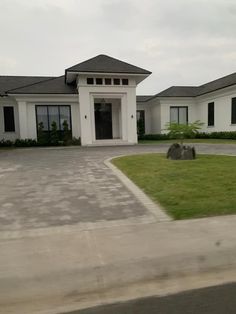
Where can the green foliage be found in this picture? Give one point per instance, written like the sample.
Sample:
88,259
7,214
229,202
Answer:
6,143
183,131
25,143
43,138
154,137
181,189
231,135
54,136
66,136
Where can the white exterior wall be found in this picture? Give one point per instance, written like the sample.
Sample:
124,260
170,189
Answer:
27,113
127,97
147,112
156,117
9,101
223,101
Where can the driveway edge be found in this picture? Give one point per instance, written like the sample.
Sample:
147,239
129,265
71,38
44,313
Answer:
153,208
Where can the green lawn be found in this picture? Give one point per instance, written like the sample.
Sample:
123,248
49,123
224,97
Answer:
197,140
186,189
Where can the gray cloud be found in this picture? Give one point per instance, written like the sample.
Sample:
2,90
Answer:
182,42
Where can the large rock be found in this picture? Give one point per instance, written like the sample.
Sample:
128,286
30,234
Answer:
181,152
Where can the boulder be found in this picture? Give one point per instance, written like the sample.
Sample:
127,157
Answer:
181,152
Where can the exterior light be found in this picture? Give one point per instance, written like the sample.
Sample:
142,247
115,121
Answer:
85,117
132,116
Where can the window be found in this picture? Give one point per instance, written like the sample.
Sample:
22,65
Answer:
233,111
140,114
179,115
125,82
99,81
9,121
211,114
90,81
46,115
107,81
116,81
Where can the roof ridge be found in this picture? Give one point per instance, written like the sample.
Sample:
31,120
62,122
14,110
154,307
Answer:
28,85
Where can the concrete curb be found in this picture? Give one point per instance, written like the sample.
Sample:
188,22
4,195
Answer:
154,208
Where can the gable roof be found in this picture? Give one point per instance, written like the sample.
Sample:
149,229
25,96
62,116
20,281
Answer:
9,82
54,85
106,64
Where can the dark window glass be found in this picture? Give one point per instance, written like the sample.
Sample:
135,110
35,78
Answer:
116,81
90,81
99,81
42,116
9,121
140,115
107,81
49,114
53,116
211,114
125,82
64,116
233,114
179,115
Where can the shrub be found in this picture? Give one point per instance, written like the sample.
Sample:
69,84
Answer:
154,137
6,143
25,143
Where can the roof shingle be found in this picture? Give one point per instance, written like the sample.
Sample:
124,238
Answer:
107,64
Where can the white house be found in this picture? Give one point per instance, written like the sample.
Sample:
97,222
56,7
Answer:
98,100
213,103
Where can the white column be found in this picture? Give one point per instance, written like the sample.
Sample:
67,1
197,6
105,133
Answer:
23,123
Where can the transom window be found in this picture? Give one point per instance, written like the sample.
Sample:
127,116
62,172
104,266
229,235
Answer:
90,81
46,115
107,81
99,81
179,114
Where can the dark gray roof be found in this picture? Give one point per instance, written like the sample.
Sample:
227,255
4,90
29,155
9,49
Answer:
179,91
55,85
9,82
193,91
220,83
142,98
106,64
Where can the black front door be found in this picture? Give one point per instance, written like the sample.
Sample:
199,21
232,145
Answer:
103,121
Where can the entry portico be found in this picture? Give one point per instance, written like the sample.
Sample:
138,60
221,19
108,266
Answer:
107,99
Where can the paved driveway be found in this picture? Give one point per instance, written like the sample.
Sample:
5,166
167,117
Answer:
69,186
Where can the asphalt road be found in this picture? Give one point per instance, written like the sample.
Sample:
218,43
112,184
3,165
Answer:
212,300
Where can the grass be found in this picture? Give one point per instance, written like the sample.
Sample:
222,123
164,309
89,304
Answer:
197,140
186,189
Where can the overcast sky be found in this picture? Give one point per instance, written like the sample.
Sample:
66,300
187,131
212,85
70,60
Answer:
183,42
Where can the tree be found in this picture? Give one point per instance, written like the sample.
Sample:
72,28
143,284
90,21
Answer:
183,131
66,132
42,135
54,136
